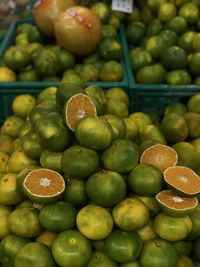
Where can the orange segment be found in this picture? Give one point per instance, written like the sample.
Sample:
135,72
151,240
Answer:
77,107
159,155
43,185
174,204
182,179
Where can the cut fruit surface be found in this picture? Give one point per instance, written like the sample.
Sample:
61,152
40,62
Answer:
43,185
159,155
77,107
175,205
182,179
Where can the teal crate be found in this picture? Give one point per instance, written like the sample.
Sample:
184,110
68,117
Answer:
8,41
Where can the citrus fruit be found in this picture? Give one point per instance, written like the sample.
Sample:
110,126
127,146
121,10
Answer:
184,260
193,103
4,227
131,129
94,133
158,252
117,94
193,120
94,222
110,49
154,27
145,179
154,73
196,142
9,246
108,31
24,222
7,75
5,143
190,12
154,45
4,157
67,89
175,205
57,216
147,232
177,24
43,185
18,161
172,228
140,59
79,162
118,108
12,125
175,107
174,127
101,259
8,190
46,238
196,248
71,248
174,57
52,132
140,118
159,155
185,41
194,216
134,33
31,145
111,71
67,59
134,263
166,12
194,64
151,203
22,104
183,247
76,37
34,254
102,10
106,188
130,214
98,97
177,77
88,73
183,180
51,160
16,58
121,156
75,192
123,246
118,125
151,132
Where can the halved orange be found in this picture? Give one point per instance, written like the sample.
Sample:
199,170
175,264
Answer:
44,185
173,204
78,107
159,155
183,180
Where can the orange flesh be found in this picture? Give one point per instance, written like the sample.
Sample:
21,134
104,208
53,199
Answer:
183,178
44,182
79,106
172,200
159,155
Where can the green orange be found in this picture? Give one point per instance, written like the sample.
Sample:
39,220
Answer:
123,246
106,188
94,222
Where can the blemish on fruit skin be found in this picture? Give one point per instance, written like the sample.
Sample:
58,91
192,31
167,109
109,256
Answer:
78,17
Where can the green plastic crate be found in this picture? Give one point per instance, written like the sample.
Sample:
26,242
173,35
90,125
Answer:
8,41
